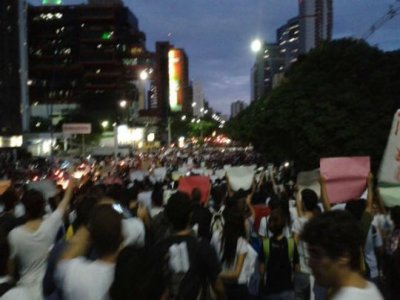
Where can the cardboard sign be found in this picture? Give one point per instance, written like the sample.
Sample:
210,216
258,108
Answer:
390,195
46,187
187,184
390,165
346,177
241,177
309,180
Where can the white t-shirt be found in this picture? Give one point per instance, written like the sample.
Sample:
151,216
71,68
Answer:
133,232
241,248
262,230
17,293
80,278
352,293
297,227
32,248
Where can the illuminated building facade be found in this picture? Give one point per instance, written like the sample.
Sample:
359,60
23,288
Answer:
90,55
270,62
288,38
171,90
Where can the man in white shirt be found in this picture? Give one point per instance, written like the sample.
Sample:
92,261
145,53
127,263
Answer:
80,278
334,243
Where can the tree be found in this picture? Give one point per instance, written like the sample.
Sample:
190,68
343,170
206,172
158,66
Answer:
337,101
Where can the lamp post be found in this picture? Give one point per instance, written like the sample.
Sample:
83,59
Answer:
123,105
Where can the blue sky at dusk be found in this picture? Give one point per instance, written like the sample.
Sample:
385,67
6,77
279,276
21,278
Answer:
216,34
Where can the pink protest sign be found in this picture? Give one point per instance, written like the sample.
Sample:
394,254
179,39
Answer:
346,177
187,184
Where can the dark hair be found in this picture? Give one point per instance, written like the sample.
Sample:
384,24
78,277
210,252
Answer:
233,229
133,277
83,209
178,210
356,207
157,195
34,203
310,199
337,233
9,199
276,221
4,252
395,215
105,229
196,195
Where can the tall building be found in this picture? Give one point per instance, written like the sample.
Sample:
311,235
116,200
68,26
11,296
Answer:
288,40
86,55
198,103
237,107
270,62
316,21
171,90
13,59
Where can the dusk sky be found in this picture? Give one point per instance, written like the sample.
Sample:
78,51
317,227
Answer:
216,34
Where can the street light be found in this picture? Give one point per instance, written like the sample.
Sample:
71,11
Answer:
104,124
123,103
144,75
256,45
183,118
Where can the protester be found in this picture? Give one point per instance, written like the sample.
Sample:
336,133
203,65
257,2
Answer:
81,278
334,244
279,260
191,264
30,243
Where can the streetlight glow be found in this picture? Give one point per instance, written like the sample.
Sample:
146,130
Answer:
144,75
256,45
104,124
123,103
193,104
183,118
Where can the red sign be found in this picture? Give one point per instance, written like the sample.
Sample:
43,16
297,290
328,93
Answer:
187,184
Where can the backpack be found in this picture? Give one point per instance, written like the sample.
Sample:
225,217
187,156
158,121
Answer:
179,272
217,220
267,249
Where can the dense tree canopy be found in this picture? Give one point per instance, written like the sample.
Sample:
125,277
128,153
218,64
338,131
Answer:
337,101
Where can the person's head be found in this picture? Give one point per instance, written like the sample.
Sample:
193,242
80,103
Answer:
4,252
276,221
309,200
178,210
196,196
334,243
34,204
356,207
395,215
233,229
9,199
157,195
105,229
83,208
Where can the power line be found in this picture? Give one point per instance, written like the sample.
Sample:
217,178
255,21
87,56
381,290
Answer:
393,11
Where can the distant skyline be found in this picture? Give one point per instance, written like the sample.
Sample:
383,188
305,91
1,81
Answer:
216,35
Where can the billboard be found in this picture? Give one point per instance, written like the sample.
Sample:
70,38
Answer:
77,128
175,75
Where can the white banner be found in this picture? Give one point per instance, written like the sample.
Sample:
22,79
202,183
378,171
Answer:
309,180
390,165
241,177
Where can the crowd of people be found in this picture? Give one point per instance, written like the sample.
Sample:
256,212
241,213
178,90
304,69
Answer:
111,235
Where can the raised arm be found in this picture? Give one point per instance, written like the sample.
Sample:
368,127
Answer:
63,205
78,245
370,197
324,194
